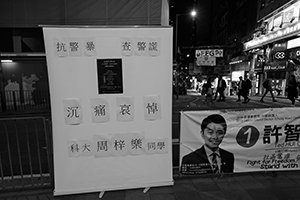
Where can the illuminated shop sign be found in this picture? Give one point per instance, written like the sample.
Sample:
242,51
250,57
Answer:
260,59
275,66
279,56
294,53
293,43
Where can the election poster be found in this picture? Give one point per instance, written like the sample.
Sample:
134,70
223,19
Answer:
234,141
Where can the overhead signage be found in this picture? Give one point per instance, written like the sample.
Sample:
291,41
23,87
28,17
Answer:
289,15
271,36
281,25
277,20
209,53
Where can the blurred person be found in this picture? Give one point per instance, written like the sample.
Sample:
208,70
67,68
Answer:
247,85
221,86
207,87
292,89
268,88
239,88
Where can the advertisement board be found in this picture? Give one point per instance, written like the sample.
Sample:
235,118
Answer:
239,141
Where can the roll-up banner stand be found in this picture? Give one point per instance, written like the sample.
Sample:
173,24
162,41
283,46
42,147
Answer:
111,104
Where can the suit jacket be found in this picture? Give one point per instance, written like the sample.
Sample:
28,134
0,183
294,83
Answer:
198,161
223,85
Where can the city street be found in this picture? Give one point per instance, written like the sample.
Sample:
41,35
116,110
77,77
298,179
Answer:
263,185
193,101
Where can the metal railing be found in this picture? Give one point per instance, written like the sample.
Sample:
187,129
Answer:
26,100
25,153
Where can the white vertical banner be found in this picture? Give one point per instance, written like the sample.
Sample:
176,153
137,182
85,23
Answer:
102,81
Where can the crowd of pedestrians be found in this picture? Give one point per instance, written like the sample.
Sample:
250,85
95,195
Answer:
244,86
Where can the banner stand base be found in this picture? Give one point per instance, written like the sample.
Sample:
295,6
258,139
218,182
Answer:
101,194
146,189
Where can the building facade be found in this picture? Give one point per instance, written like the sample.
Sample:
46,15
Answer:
274,46
233,21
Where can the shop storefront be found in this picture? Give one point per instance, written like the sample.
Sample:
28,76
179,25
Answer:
272,51
239,66
278,70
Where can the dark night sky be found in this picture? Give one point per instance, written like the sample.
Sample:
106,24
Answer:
185,22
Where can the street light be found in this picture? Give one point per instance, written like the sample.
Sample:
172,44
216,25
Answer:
193,13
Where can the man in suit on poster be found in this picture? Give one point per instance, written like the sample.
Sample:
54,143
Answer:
209,158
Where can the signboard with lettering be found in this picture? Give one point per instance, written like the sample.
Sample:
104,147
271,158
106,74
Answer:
275,66
111,113
209,53
206,61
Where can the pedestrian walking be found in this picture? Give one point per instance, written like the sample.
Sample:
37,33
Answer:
268,88
292,89
240,88
208,92
246,85
220,89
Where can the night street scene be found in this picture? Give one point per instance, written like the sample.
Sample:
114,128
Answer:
150,100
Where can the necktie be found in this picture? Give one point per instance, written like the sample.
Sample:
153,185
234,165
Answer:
215,167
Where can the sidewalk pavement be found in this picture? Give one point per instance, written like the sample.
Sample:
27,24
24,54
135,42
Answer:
192,94
239,186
